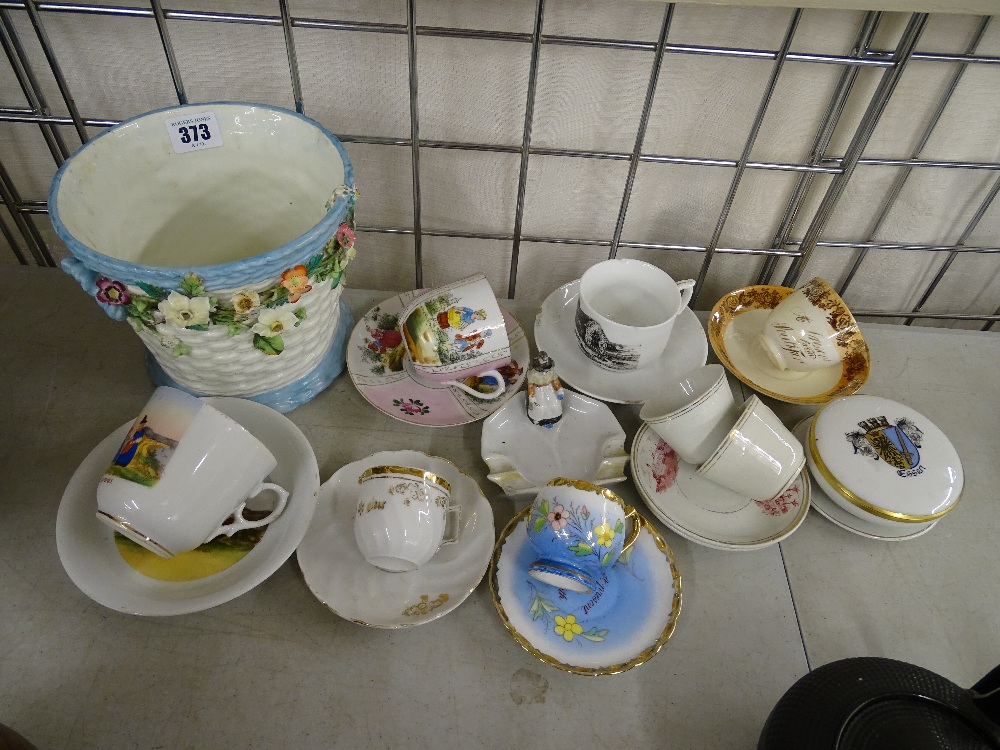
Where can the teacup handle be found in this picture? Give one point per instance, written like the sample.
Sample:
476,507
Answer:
241,523
452,524
483,396
686,288
632,513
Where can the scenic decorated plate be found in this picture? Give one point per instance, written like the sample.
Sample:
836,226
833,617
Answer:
624,623
733,328
340,577
123,576
832,512
555,333
677,496
386,379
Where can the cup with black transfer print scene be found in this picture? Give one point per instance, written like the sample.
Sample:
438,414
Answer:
626,311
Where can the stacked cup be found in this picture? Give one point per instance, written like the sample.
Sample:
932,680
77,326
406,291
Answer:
744,448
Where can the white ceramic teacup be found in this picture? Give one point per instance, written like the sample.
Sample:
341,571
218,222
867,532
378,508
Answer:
184,475
403,517
810,329
626,311
693,414
759,457
457,331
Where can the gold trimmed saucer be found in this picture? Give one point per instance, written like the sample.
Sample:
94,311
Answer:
733,329
624,623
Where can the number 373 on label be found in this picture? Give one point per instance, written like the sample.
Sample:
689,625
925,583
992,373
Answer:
194,132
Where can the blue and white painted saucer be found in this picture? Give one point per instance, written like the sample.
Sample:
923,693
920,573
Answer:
621,625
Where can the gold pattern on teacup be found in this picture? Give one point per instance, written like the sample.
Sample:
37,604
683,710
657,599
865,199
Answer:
370,506
406,471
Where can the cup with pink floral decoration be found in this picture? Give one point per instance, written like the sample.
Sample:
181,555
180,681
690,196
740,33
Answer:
579,531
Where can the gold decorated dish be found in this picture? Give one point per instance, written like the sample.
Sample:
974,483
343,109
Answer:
734,327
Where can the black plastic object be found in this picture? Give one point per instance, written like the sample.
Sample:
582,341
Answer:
872,703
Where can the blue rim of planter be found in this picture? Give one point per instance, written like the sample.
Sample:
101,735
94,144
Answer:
265,265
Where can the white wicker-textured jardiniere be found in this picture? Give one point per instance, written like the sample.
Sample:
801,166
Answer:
221,232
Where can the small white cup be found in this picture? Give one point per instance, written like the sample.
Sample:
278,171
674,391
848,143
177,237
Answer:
457,331
402,516
693,414
183,476
759,457
810,329
626,311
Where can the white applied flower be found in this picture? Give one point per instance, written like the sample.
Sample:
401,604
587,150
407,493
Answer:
245,302
185,311
274,321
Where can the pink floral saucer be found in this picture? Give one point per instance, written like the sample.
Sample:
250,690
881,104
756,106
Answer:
381,372
672,489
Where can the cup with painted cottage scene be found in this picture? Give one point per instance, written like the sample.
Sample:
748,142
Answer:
578,530
404,515
455,332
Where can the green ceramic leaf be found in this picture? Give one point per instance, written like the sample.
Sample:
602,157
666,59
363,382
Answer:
153,291
192,286
581,549
543,507
313,263
300,313
202,327
538,525
268,344
619,527
606,560
594,634
180,350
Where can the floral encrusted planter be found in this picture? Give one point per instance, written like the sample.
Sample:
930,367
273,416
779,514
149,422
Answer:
266,323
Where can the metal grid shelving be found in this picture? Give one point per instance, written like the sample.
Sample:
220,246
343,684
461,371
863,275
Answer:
28,246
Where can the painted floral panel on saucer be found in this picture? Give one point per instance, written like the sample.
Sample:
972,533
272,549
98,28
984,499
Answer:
623,623
377,363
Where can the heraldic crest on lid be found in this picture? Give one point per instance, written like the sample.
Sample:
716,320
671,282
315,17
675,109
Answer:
897,444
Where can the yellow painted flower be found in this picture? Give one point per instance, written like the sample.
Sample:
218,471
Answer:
568,627
605,535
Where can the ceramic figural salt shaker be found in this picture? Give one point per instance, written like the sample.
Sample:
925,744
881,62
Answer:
545,392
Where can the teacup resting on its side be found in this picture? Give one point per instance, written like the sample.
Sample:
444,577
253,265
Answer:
810,329
579,530
184,475
455,332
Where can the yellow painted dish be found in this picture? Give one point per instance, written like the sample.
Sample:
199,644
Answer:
733,328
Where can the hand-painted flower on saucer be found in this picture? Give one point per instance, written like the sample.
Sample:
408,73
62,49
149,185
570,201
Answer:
567,627
185,311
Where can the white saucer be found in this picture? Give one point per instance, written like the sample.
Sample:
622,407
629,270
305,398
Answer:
87,547
733,328
827,508
623,624
378,369
555,333
587,443
340,577
672,490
